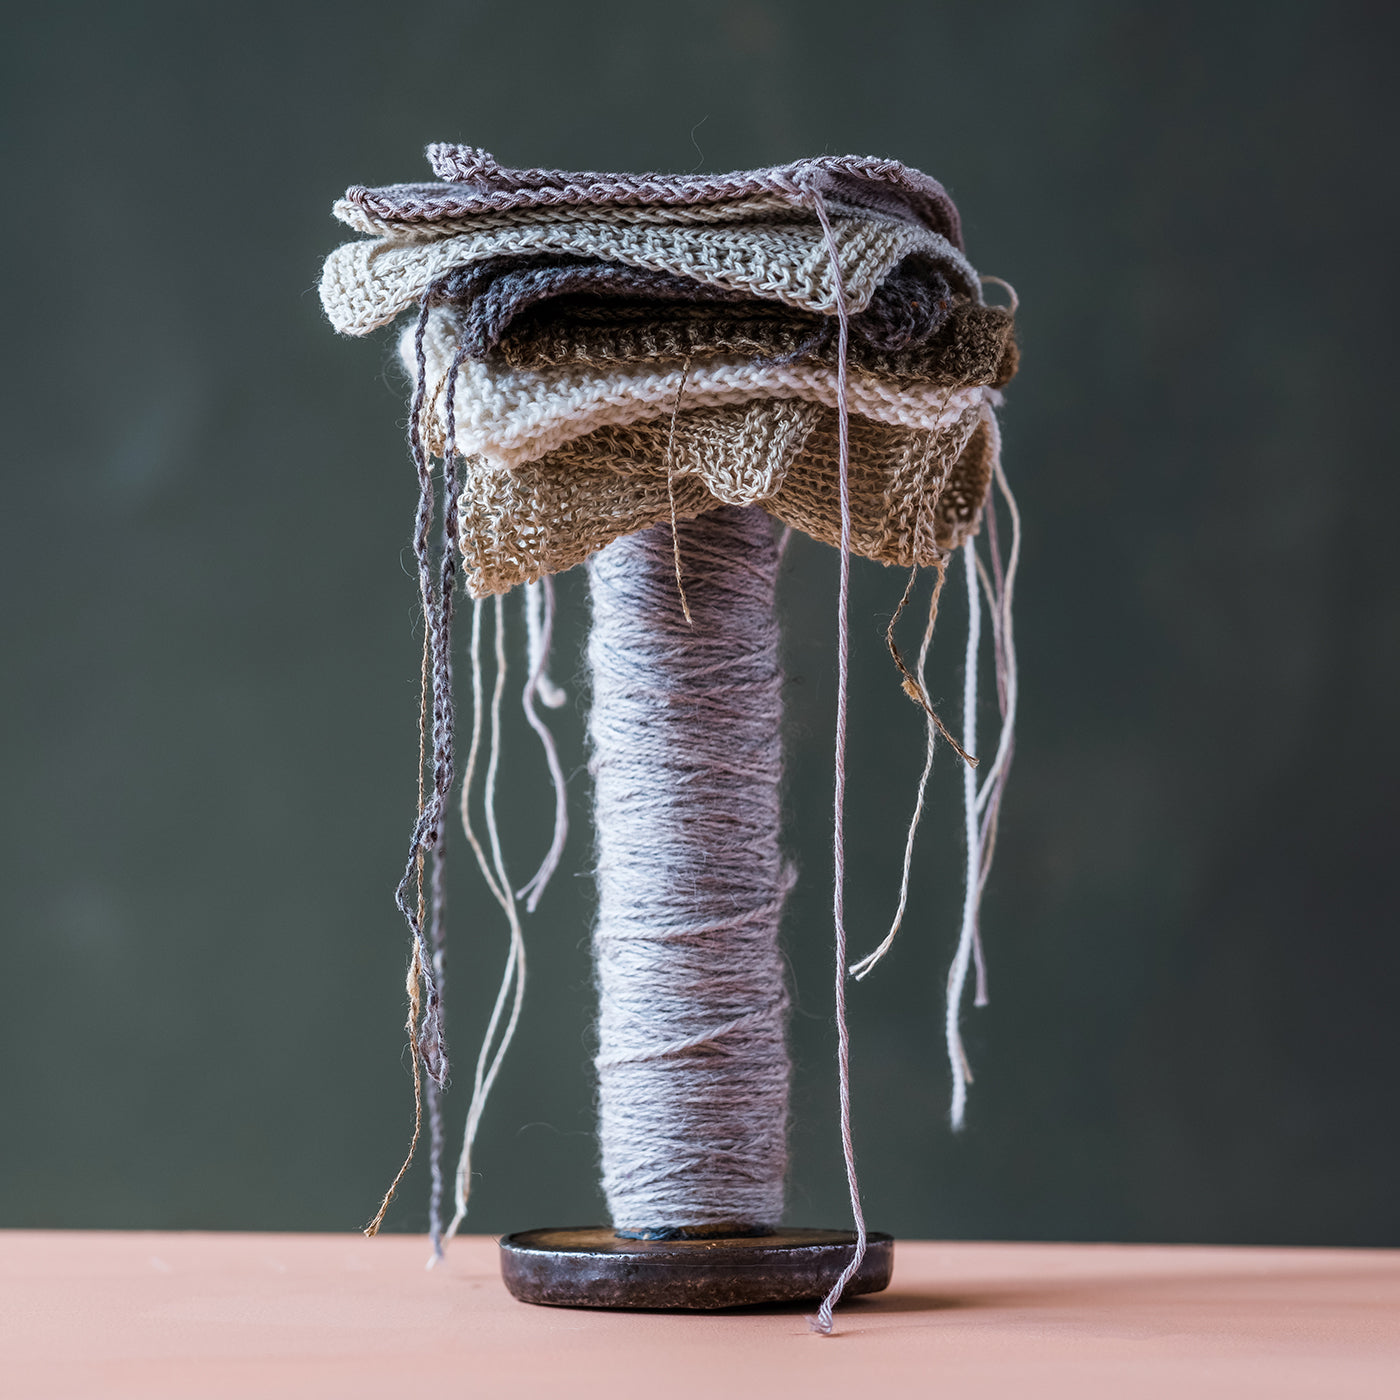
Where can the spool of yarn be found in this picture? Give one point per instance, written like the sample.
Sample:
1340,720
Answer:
686,759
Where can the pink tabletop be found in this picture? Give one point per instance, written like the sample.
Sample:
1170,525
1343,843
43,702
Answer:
266,1316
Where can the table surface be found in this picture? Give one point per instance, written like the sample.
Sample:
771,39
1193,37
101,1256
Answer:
98,1314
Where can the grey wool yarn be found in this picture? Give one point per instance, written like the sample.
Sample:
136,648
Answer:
686,761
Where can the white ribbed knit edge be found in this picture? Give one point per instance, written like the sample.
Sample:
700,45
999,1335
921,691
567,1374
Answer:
509,416
369,283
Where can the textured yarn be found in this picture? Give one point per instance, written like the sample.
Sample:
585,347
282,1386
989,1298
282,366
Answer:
687,764
478,185
511,416
913,494
905,310
369,283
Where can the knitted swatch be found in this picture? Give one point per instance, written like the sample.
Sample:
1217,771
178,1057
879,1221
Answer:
971,345
514,415
478,186
905,310
369,283
914,494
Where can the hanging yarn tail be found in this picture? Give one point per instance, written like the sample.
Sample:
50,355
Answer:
539,635
999,588
982,806
823,1320
957,974
493,871
426,967
540,608
933,727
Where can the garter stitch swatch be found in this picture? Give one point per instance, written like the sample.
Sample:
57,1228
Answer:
478,185
514,415
969,347
905,310
914,494
369,283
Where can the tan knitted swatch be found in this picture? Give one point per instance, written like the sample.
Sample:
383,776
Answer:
368,284
914,494
973,346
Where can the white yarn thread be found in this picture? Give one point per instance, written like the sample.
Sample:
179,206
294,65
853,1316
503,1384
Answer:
488,1064
686,759
1000,609
957,974
539,604
998,584
1000,588
822,1322
866,965
539,633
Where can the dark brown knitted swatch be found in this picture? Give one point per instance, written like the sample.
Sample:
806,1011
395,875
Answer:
969,347
906,310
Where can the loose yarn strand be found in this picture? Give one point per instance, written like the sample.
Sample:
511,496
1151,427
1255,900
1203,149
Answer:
866,964
425,1000
444,726
414,983
539,634
671,491
823,1320
540,608
957,974
499,884
1000,589
473,753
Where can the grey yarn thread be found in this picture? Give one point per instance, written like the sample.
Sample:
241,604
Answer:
686,758
429,831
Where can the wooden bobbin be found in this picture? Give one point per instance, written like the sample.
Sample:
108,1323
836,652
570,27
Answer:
594,1267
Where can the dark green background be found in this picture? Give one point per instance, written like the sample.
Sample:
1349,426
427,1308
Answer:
210,636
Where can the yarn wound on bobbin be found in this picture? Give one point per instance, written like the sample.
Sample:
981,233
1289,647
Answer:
648,374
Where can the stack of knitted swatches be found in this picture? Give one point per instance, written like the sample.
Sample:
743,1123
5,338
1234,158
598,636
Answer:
610,351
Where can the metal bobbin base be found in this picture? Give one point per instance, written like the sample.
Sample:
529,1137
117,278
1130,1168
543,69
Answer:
591,1267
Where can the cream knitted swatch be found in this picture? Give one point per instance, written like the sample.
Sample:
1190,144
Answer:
511,416
367,284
